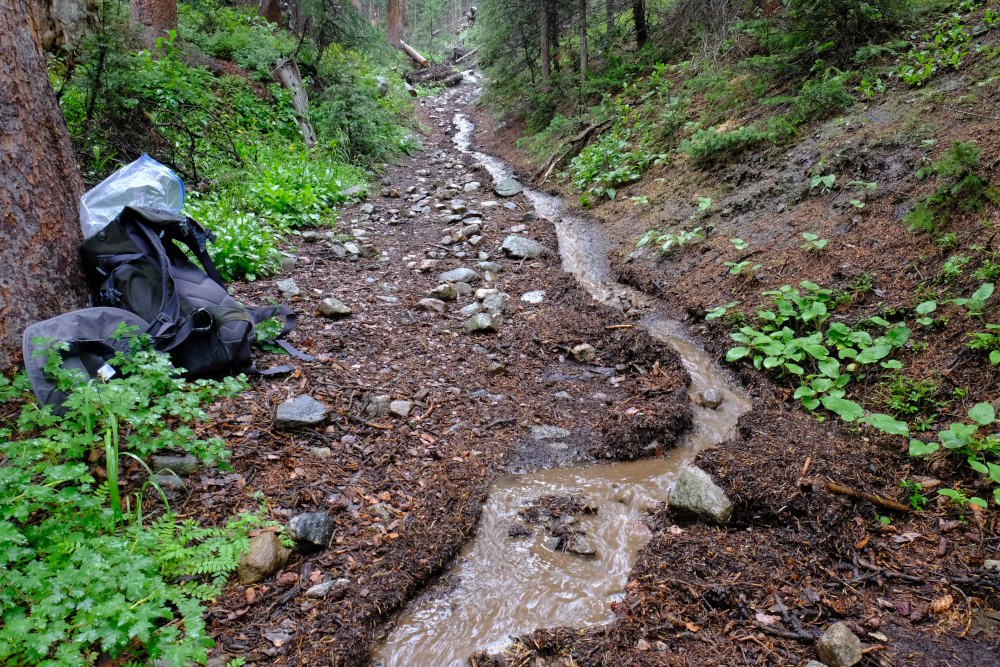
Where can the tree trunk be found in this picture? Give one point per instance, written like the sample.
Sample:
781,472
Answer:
543,39
610,19
40,188
413,53
395,11
287,73
153,16
639,16
583,37
271,11
553,22
61,23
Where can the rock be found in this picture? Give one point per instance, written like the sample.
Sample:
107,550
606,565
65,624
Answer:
323,589
496,368
471,230
368,209
710,398
432,305
815,663
367,250
181,465
472,186
338,251
980,29
288,262
382,511
458,207
378,405
484,323
471,309
311,530
355,190
565,395
698,496
579,545
464,289
400,408
601,397
991,565
382,87
444,293
330,307
310,237
267,555
287,287
584,352
321,453
489,267
169,482
508,187
426,265
839,647
352,248
535,297
302,411
517,229
518,529
546,432
494,304
518,247
461,275
475,240
484,292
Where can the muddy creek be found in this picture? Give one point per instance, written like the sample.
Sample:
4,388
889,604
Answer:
502,587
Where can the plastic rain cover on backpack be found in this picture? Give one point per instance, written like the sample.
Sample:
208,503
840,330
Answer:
144,182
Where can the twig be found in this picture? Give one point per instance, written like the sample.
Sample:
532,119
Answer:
498,422
864,495
968,606
969,113
620,326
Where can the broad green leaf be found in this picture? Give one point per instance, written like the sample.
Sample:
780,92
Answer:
887,424
848,353
975,500
837,392
862,338
771,362
794,368
995,357
983,293
898,336
829,367
822,384
805,283
847,410
843,380
879,321
810,403
982,413
892,363
737,353
978,467
740,338
926,307
803,391
817,351
874,353
918,448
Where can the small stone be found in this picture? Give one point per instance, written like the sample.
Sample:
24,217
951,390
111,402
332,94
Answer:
584,353
839,647
330,307
565,395
709,398
579,545
508,187
352,248
427,265
475,240
310,237
698,496
432,305
494,304
535,297
400,408
601,397
444,293
980,29
472,186
321,453
338,251
382,511
267,555
942,604
323,589
169,482
489,267
484,323
517,229
815,663
518,247
458,206
496,368
288,261
464,289
991,565
378,405
518,529
471,309
181,465
368,209
460,275
311,530
367,250
546,432
302,411
484,292
287,287
355,190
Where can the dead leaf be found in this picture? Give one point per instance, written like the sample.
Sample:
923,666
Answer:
287,579
942,604
766,619
862,543
251,595
692,627
277,637
642,645
674,530
905,538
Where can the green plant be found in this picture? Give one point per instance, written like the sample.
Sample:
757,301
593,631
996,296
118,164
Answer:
862,188
603,166
958,187
736,268
988,271
82,568
813,242
719,311
924,308
667,241
826,181
945,241
987,341
976,303
908,396
953,267
739,243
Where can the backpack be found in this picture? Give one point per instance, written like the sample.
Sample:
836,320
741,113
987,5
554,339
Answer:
140,276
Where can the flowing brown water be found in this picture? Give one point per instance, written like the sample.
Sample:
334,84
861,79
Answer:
505,587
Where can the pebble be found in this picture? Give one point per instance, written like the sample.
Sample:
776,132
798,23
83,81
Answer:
267,555
535,297
427,265
584,353
330,307
709,398
310,237
338,251
565,395
471,309
839,647
323,589
433,305
287,287
460,275
311,530
484,292
378,405
518,247
400,408
321,453
464,289
444,293
301,411
494,304
547,432
484,323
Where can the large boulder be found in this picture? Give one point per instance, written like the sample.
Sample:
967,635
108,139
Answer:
519,247
302,411
267,555
697,496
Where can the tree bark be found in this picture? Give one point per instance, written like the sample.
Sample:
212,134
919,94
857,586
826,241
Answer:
413,53
40,187
271,11
287,73
583,37
553,22
543,39
609,19
639,16
395,11
154,16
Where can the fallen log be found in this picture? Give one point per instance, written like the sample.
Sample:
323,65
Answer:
833,487
410,51
452,80
410,89
470,53
563,149
287,73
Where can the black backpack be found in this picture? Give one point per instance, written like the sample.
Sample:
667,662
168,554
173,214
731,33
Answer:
134,263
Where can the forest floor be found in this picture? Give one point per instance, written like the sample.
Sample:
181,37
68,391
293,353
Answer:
405,493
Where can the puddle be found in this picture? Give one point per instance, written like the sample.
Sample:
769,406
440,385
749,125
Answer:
506,587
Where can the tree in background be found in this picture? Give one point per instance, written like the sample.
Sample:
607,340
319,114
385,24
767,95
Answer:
395,17
40,187
152,18
271,11
639,16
